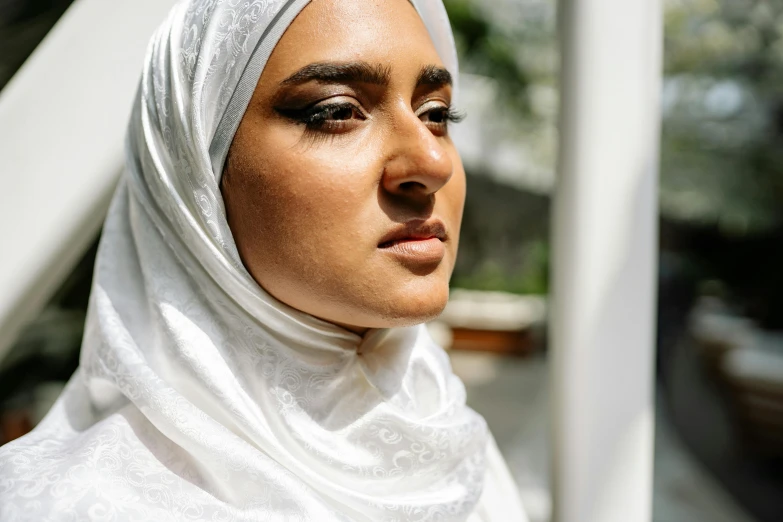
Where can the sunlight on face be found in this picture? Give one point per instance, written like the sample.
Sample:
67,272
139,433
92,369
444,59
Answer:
343,189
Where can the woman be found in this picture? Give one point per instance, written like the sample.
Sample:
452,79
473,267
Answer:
254,350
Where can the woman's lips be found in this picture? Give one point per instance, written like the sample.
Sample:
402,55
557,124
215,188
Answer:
430,250
417,241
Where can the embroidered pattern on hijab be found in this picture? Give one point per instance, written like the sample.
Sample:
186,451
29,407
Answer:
199,396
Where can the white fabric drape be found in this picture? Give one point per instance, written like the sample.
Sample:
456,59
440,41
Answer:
201,397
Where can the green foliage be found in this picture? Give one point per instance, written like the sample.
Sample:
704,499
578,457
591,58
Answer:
721,157
484,50
722,139
495,254
532,278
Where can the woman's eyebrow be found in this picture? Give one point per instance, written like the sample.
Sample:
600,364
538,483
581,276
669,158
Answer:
340,72
434,75
362,72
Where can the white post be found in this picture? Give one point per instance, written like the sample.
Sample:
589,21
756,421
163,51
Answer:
62,125
604,270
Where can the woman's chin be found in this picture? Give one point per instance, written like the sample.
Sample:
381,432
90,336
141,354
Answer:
414,304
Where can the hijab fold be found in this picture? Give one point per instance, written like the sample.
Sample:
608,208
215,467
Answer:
198,395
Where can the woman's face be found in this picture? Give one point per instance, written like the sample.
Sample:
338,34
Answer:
342,187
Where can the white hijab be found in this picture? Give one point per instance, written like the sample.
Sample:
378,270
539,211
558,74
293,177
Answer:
201,397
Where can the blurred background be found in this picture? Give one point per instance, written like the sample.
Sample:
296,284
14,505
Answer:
719,371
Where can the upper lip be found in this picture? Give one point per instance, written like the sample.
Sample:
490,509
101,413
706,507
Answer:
416,229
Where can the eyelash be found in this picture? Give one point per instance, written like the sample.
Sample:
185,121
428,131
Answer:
320,117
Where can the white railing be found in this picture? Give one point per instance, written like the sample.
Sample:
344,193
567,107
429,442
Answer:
62,124
605,246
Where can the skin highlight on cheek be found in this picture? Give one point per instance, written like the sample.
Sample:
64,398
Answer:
345,198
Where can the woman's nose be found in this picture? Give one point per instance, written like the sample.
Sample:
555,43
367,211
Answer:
418,163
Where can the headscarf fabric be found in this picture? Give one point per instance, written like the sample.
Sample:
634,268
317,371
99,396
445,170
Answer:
198,395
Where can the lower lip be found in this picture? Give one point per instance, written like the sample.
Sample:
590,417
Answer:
422,251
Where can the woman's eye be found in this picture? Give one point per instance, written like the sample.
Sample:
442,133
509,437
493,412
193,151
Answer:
439,116
330,117
341,113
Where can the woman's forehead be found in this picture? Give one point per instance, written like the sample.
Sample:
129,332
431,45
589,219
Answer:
388,32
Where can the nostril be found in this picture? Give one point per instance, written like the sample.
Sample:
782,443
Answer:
409,186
